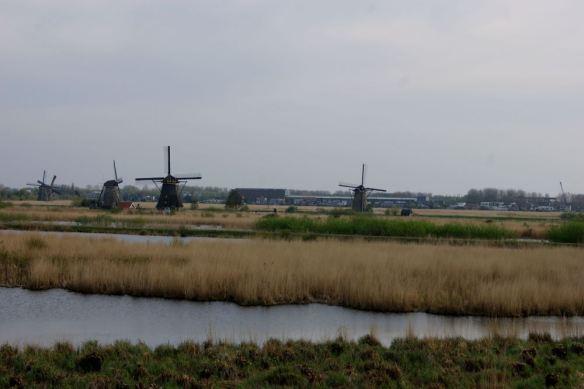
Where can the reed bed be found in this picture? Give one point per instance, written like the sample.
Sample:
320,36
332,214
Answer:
388,277
374,226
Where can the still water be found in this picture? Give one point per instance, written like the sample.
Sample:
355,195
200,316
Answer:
126,237
45,317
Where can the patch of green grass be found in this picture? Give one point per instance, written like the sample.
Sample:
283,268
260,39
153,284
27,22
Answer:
13,217
499,362
569,232
373,226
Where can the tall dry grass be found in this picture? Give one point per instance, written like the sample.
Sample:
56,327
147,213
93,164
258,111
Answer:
376,276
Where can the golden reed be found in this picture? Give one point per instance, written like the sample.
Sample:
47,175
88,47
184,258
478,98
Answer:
376,276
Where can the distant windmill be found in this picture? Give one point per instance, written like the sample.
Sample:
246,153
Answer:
45,190
109,198
170,193
360,193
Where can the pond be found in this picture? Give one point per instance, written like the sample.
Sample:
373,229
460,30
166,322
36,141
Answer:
45,317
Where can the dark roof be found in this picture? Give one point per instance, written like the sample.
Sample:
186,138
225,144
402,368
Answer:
269,193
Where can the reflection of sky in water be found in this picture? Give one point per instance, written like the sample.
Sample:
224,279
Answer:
127,237
49,316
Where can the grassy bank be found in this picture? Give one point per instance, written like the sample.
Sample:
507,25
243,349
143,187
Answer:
374,226
374,276
497,362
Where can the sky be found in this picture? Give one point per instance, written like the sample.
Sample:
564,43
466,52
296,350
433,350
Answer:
435,96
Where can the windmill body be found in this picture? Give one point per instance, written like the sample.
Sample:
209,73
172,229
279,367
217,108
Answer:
170,192
360,193
109,198
45,190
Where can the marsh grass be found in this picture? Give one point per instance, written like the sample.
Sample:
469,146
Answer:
496,362
375,226
379,276
569,232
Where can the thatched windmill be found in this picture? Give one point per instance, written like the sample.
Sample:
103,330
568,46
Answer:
360,193
45,191
170,193
109,198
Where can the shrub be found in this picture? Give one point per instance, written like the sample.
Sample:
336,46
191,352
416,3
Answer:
292,209
234,200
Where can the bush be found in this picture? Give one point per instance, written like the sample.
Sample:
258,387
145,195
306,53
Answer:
234,200
4,204
292,209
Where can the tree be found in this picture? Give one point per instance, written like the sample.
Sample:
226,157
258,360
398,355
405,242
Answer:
234,199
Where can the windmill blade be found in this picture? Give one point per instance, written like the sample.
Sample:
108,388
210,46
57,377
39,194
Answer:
363,173
167,160
53,181
44,176
191,176
150,179
348,185
40,183
119,180
376,189
35,185
115,171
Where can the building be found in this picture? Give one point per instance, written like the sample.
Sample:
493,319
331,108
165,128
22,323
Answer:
263,196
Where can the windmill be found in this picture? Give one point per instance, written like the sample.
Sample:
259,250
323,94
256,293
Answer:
170,193
360,193
45,190
109,198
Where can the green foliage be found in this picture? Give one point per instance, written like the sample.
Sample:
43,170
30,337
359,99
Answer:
5,204
414,363
234,200
13,217
372,226
291,209
575,216
569,232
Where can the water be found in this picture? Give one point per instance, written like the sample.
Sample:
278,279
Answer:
45,317
127,237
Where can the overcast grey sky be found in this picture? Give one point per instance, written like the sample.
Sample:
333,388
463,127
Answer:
436,96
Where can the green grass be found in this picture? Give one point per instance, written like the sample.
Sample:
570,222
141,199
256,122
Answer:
13,217
373,226
569,232
408,363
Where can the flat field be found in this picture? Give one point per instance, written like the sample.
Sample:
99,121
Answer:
522,224
389,277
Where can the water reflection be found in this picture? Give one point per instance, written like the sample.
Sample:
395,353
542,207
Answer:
28,317
126,237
